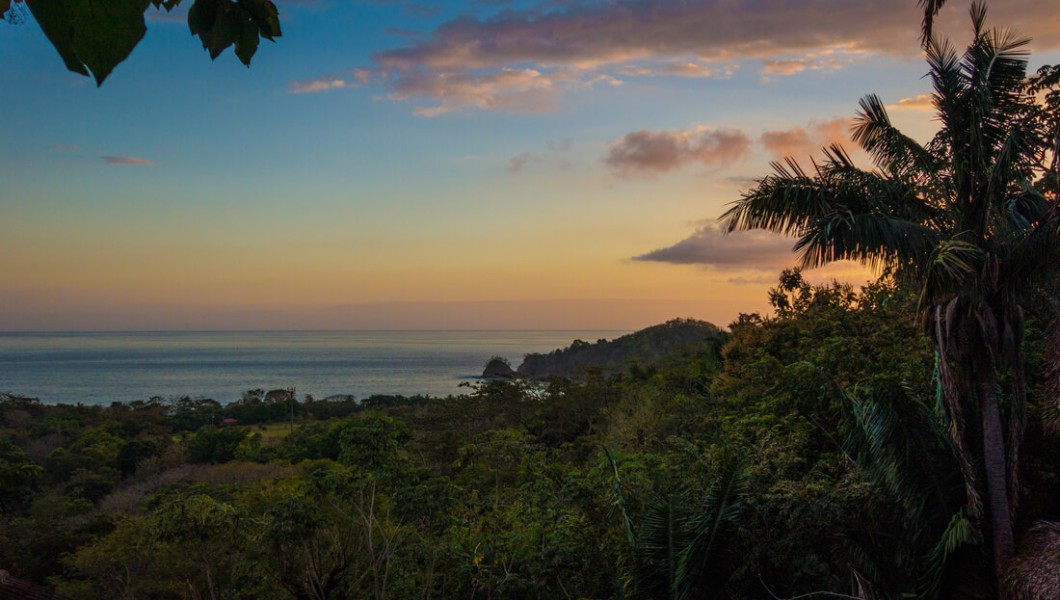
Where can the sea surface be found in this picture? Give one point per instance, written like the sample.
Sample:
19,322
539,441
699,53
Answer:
100,368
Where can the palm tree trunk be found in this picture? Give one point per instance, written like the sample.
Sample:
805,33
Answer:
994,468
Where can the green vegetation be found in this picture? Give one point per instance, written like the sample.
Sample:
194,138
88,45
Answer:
972,221
644,348
802,456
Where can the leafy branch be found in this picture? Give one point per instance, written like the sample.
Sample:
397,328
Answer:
93,36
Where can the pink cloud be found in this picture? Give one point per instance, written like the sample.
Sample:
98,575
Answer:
800,142
320,84
513,90
652,152
327,83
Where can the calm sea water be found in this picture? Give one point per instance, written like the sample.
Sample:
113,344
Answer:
99,368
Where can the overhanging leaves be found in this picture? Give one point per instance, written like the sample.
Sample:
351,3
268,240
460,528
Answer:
93,36
222,23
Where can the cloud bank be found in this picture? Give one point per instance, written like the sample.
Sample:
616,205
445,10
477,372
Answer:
648,152
710,246
521,59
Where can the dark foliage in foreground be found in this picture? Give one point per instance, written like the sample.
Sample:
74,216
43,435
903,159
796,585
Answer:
802,457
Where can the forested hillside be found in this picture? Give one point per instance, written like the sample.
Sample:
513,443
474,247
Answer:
802,457
643,348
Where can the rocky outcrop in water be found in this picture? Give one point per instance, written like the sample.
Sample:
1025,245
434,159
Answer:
498,368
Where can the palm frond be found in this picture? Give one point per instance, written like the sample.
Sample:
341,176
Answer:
661,538
719,507
960,531
952,267
619,500
909,455
1033,253
874,239
881,442
931,10
784,202
950,85
890,149
995,66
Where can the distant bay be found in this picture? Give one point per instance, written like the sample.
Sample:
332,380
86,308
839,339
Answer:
100,368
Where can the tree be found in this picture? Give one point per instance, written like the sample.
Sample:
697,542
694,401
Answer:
95,35
972,218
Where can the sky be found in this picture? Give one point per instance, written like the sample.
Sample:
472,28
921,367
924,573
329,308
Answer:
475,164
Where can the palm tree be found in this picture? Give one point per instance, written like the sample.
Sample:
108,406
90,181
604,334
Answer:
973,217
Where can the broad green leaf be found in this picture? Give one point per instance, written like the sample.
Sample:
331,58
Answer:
201,16
53,20
265,16
107,31
97,34
247,43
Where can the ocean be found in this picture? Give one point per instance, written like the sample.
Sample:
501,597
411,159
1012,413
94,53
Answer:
100,368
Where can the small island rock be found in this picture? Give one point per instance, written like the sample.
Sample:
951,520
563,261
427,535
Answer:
498,368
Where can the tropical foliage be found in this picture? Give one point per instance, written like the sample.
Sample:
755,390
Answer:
972,220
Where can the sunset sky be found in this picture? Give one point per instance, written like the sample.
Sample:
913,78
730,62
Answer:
481,164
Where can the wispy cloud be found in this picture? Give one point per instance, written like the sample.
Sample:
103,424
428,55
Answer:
516,164
710,246
126,160
323,84
557,154
920,102
792,66
320,84
677,69
652,152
